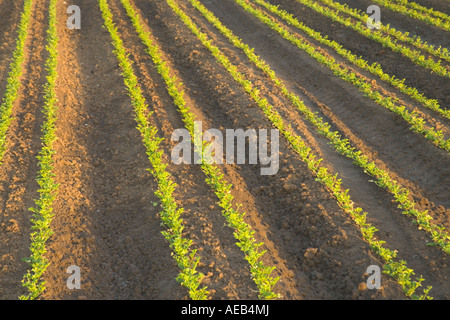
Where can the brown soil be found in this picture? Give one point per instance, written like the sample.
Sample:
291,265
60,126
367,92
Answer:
106,213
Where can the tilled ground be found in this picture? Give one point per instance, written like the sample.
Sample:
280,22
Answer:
106,213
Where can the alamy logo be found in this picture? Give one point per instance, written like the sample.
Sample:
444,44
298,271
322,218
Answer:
74,21
374,280
374,21
260,150
74,281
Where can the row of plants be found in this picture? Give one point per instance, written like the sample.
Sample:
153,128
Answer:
342,146
14,76
387,41
396,269
416,123
374,68
362,16
418,13
243,232
43,210
418,7
186,258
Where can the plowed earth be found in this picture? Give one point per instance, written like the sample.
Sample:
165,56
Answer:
106,213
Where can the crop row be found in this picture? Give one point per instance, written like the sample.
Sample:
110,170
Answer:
418,12
15,73
397,269
386,41
43,210
416,123
440,52
439,236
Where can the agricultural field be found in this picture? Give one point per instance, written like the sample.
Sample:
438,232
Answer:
94,203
